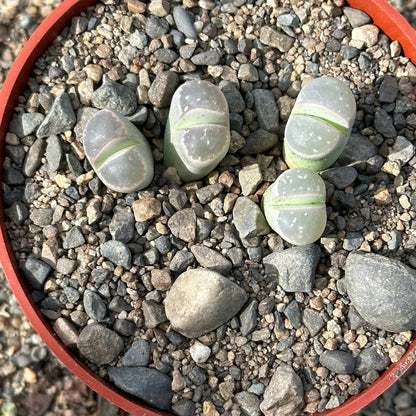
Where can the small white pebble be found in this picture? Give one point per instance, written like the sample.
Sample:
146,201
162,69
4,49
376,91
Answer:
200,352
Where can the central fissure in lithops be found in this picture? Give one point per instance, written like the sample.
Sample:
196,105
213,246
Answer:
301,200
339,127
113,148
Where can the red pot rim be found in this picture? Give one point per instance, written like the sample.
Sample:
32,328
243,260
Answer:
384,16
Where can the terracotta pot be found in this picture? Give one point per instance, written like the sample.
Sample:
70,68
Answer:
384,16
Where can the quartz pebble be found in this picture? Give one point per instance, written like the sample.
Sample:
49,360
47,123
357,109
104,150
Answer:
200,352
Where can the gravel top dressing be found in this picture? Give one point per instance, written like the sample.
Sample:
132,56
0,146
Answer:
181,294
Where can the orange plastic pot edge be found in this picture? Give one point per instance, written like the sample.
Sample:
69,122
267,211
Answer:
384,16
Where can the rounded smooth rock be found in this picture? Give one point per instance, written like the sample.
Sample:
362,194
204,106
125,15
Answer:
383,291
339,362
200,352
201,300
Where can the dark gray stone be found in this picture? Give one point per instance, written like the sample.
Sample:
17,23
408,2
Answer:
115,96
249,403
294,314
74,164
54,153
208,193
340,176
211,259
18,212
248,317
33,158
163,87
118,304
184,23
117,252
383,122
357,152
339,362
248,219
36,272
382,290
13,176
235,100
182,224
99,344
294,267
73,239
211,57
60,118
137,355
371,359
166,56
140,116
25,124
94,305
124,327
15,153
154,313
248,72
356,17
72,294
353,241
266,109
389,89
197,376
313,321
147,384
181,260
258,142
184,407
156,27
122,225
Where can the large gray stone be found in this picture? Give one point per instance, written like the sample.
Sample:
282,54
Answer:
202,300
339,362
294,267
284,394
382,290
148,384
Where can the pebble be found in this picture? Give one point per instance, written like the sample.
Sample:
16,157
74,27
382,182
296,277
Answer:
249,403
356,17
267,110
248,72
99,344
66,331
18,212
182,224
200,352
248,218
284,394
161,279
208,193
66,266
382,290
183,22
294,314
73,239
258,142
159,8
278,40
36,272
250,177
184,407
33,158
389,89
248,317
340,362
357,152
402,150
154,314
161,91
116,97
340,176
181,261
25,124
383,122
146,209
201,300
156,27
94,305
122,225
370,359
117,252
206,58
368,34
41,216
137,355
294,267
148,384
235,100
313,321
54,153
60,118
211,259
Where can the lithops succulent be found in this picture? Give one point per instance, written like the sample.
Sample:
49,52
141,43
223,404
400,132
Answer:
118,152
319,126
197,133
294,206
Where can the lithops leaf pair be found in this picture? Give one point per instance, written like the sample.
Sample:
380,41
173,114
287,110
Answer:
197,133
118,152
319,126
294,206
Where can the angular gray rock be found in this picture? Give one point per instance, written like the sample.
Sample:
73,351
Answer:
284,394
259,141
148,384
117,252
99,344
249,403
94,305
36,271
248,218
371,359
33,158
122,225
267,110
73,239
115,96
248,317
137,355
182,224
162,88
294,267
339,362
201,300
382,290
211,259
25,124
60,118
313,321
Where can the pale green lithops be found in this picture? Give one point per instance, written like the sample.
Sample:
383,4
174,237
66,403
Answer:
197,135
294,206
320,123
118,152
